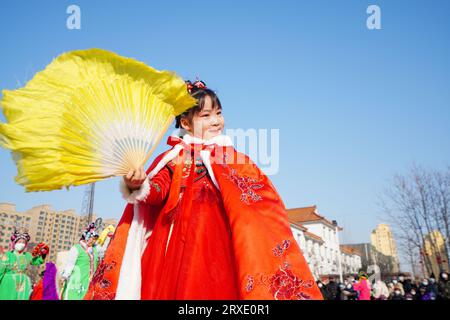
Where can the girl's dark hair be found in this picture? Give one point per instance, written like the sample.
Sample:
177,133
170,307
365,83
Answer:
199,91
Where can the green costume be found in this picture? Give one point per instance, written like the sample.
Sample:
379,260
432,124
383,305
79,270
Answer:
76,286
14,282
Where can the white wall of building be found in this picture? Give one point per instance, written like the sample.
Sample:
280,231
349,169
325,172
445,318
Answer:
351,263
325,257
312,251
331,262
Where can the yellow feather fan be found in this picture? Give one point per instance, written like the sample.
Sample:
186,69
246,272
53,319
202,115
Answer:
91,114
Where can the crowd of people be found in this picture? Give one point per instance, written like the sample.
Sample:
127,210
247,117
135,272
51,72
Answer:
400,287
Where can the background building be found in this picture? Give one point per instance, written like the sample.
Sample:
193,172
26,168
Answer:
383,242
311,246
370,257
9,218
321,240
436,253
367,253
351,260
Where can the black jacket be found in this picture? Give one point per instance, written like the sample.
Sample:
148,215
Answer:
333,290
407,285
443,289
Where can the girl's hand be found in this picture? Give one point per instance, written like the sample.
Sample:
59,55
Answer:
135,178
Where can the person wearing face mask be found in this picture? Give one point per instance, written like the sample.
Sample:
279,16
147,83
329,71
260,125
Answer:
80,266
398,294
443,287
381,291
424,284
348,293
423,294
399,285
433,288
362,286
413,294
14,264
406,283
332,288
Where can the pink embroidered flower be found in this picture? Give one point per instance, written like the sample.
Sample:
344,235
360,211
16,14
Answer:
250,283
285,285
247,186
281,248
99,276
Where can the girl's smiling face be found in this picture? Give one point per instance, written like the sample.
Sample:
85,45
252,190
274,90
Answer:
207,123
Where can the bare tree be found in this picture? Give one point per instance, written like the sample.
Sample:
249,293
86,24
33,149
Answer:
417,205
409,248
441,207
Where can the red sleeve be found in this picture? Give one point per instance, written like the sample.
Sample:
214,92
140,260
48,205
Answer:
159,187
269,263
37,293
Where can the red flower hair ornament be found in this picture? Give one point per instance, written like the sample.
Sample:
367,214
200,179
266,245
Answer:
41,250
197,85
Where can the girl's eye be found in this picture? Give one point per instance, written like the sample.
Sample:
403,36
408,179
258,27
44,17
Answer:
205,115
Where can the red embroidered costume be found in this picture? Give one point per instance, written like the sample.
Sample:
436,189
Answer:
204,225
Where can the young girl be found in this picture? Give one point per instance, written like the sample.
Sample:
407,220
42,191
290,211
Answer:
202,224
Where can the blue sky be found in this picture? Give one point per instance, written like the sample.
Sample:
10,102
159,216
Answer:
354,106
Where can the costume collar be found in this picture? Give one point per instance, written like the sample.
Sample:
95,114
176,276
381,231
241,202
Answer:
181,139
220,140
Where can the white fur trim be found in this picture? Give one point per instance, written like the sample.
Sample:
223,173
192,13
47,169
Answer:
129,285
221,140
205,155
137,195
172,154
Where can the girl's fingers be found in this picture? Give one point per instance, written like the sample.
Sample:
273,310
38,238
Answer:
143,174
130,174
138,178
138,175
